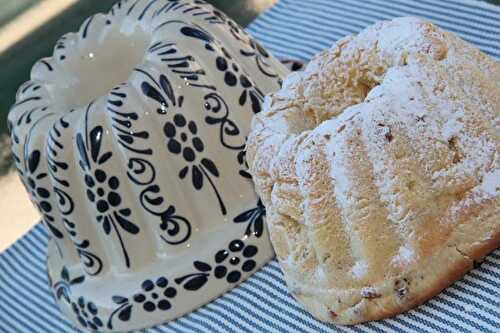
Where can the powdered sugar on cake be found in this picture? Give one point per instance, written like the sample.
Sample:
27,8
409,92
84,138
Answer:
396,168
491,183
405,256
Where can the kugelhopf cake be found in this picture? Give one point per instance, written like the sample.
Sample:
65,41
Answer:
379,168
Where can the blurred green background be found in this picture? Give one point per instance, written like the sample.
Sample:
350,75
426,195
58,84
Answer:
12,8
16,62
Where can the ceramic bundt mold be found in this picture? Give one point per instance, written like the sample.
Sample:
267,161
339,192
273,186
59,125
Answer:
130,141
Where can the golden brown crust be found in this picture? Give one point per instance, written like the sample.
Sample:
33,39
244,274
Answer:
458,269
379,169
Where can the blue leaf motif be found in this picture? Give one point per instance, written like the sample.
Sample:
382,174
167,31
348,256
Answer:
202,266
119,299
124,314
196,33
210,165
95,142
85,164
33,161
153,93
197,178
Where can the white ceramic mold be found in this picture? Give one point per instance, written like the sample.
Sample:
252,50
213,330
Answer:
130,141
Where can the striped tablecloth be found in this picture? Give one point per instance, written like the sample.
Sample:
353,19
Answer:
291,29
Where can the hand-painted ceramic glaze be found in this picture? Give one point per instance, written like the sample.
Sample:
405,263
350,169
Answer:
130,141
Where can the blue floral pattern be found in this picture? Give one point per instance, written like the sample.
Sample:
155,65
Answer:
101,187
118,202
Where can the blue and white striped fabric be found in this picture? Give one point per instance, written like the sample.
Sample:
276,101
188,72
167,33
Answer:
291,29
